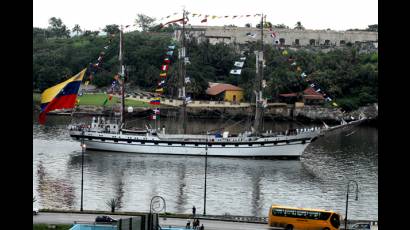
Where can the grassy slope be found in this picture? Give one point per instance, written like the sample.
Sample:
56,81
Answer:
98,100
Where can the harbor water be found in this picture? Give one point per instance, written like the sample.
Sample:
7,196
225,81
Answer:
235,186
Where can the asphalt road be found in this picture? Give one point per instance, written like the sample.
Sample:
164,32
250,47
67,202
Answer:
69,218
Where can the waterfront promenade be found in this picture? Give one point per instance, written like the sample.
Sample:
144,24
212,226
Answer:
209,224
69,218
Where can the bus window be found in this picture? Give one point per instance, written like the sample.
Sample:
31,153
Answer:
313,215
277,212
301,214
290,213
324,215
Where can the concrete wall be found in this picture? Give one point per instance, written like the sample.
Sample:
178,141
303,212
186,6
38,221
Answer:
238,35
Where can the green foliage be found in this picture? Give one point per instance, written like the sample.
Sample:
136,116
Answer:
349,77
299,26
144,21
77,29
57,28
111,29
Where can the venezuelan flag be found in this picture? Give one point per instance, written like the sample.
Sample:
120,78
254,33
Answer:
61,96
155,101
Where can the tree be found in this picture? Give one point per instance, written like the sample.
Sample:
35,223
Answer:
145,22
77,29
265,25
113,204
111,29
87,33
57,28
281,26
299,26
374,28
39,34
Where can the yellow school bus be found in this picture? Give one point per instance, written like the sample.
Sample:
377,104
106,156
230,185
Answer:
302,218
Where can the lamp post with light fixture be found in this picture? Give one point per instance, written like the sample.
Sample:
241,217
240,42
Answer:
347,197
82,168
206,168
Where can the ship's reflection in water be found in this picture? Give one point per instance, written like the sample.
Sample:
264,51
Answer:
234,186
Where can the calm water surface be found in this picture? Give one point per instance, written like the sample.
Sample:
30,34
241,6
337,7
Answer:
235,186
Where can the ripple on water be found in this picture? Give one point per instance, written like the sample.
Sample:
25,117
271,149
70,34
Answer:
236,186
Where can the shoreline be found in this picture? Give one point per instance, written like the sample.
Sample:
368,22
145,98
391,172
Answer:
306,114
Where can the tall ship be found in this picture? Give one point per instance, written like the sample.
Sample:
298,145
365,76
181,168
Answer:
110,134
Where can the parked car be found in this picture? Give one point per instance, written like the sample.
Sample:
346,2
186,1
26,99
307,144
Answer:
105,219
35,211
361,226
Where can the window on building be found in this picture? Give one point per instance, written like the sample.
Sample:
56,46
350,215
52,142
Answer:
342,42
282,41
312,42
297,42
327,42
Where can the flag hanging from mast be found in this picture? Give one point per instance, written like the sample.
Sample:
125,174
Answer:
60,96
173,21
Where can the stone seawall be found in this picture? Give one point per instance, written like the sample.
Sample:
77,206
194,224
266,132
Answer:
312,113
287,113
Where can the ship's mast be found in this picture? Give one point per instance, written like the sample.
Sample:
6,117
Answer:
258,86
182,74
122,77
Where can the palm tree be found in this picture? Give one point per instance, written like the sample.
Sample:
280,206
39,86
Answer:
77,29
299,26
114,203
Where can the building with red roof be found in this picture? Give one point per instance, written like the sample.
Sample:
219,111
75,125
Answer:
225,92
309,96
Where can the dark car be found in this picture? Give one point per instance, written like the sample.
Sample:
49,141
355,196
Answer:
105,219
361,226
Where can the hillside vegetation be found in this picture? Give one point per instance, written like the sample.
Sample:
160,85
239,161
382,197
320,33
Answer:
349,77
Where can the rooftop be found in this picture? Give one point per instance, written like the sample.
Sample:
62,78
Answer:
217,88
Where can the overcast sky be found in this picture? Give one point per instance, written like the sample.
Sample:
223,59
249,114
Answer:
313,14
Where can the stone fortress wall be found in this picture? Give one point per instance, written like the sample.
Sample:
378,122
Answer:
286,37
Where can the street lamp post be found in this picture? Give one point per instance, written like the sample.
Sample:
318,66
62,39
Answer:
82,169
206,167
347,197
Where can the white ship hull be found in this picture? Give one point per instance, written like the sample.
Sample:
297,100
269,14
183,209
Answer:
284,146
284,150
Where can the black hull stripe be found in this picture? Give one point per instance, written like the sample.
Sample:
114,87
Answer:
190,142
